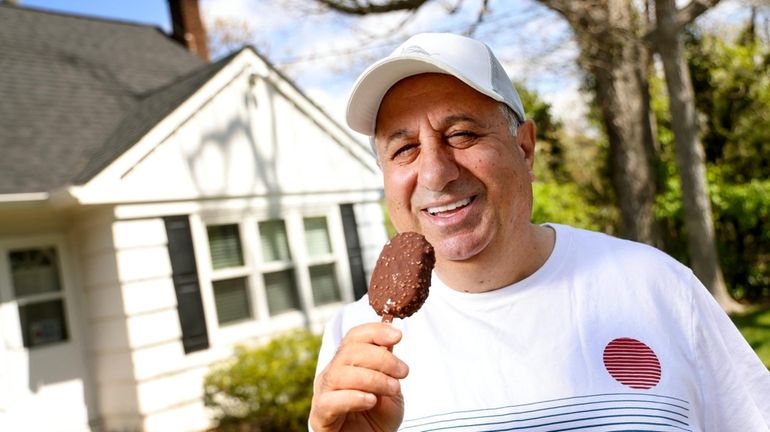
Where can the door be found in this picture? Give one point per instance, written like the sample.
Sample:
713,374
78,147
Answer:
43,377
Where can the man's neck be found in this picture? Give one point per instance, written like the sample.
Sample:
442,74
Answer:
491,270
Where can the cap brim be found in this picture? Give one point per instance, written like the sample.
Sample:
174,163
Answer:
374,83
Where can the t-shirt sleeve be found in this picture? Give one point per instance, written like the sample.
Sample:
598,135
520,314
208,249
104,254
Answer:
735,384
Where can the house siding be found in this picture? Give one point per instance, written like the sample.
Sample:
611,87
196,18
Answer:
249,149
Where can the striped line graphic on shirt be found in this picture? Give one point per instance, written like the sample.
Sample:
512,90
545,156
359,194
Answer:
599,412
632,363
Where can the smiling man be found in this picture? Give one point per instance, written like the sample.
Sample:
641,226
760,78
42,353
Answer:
527,327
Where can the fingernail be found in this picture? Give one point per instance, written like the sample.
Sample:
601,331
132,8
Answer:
393,332
394,386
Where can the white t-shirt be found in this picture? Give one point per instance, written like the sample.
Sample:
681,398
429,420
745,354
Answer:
607,335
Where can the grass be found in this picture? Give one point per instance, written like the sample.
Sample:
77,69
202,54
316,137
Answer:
755,327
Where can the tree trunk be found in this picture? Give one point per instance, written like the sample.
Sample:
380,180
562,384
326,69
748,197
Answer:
690,157
608,32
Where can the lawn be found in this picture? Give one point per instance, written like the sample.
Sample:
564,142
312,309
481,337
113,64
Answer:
755,326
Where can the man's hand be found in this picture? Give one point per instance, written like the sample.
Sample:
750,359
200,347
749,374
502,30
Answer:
359,388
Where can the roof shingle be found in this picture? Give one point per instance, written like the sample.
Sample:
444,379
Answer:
76,92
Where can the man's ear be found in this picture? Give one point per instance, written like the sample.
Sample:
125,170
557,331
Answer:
526,141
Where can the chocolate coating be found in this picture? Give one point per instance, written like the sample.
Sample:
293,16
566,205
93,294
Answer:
401,277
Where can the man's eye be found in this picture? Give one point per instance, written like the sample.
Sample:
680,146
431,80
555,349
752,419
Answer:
461,138
403,151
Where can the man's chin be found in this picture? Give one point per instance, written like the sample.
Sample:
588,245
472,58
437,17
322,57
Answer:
457,251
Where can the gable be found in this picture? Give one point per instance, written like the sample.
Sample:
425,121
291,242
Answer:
247,132
67,83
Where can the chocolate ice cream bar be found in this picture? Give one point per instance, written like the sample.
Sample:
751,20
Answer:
401,277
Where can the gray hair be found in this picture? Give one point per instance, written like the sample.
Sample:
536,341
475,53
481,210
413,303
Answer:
508,114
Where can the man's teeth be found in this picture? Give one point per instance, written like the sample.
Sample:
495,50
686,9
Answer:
452,206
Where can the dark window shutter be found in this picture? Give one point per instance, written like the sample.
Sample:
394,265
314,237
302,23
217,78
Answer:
185,276
355,257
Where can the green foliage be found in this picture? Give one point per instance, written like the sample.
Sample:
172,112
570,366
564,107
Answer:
570,187
548,133
265,389
563,203
733,96
741,215
732,86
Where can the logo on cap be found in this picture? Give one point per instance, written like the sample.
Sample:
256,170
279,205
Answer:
414,49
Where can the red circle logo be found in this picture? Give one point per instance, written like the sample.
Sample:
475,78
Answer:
632,363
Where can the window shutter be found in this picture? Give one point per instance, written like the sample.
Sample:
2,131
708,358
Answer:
355,258
185,276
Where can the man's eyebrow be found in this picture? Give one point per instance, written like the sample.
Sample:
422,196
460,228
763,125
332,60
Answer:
400,133
457,118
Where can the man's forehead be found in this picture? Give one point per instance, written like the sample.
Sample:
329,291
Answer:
431,86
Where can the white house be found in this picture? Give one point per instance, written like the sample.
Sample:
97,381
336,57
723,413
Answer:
155,210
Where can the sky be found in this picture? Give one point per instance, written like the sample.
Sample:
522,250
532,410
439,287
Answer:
323,53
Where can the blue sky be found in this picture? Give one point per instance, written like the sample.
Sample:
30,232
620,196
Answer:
154,12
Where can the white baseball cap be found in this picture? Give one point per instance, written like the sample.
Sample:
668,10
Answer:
468,60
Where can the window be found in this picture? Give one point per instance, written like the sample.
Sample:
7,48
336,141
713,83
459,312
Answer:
261,269
225,246
230,276
37,289
323,279
232,300
280,286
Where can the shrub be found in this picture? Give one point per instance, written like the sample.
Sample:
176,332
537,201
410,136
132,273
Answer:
267,388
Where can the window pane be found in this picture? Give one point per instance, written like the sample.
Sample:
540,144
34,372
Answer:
225,246
275,245
324,282
281,292
34,271
232,300
43,323
317,236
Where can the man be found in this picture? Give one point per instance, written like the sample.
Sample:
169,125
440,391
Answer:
527,327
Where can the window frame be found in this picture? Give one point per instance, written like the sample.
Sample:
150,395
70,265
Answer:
9,305
261,322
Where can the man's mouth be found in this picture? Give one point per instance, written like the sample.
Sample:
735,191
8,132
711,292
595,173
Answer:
449,207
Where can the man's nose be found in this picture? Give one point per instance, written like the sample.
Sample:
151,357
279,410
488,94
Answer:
437,165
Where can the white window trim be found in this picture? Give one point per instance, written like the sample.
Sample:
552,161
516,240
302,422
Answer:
262,324
10,326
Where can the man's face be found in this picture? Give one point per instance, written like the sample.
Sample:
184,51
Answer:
452,170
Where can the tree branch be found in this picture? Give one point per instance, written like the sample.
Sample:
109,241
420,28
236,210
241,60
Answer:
483,11
355,7
689,13
684,16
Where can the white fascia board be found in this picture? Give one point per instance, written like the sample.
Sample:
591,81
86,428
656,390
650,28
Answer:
321,118
24,197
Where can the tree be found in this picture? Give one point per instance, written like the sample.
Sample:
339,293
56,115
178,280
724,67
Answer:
613,55
690,157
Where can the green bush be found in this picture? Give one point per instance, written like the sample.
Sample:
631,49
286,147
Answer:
563,203
267,388
741,215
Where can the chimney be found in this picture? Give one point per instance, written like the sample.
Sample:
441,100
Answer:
188,27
